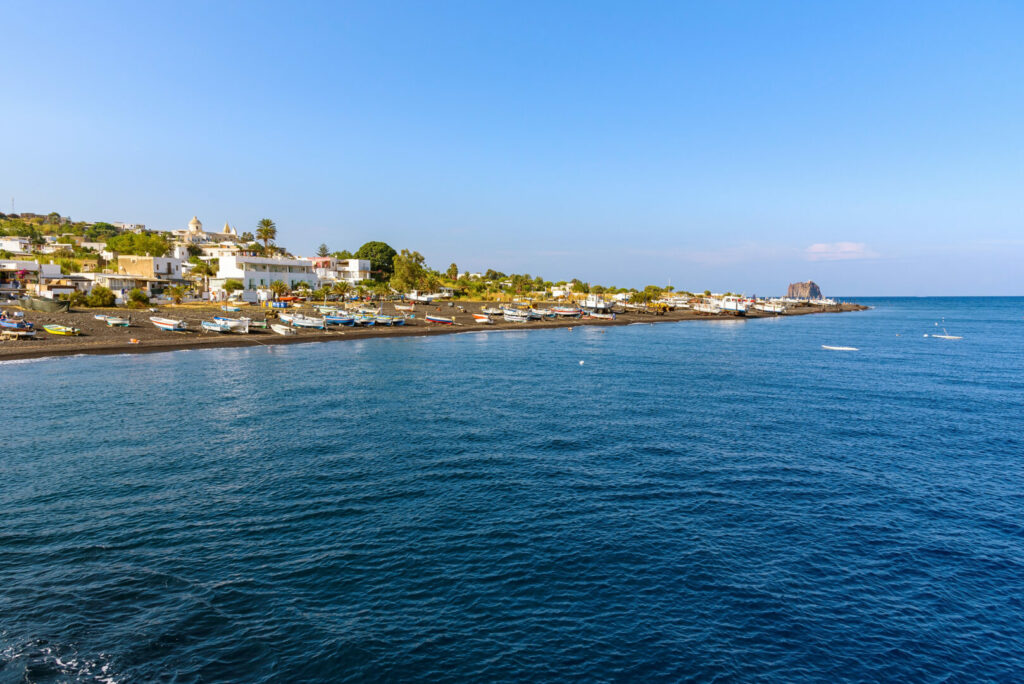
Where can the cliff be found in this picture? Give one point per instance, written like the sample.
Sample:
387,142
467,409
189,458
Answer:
808,290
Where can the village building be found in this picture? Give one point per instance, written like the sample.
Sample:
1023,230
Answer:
257,273
332,270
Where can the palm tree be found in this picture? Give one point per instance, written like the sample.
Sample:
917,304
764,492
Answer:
266,230
340,288
177,293
205,271
278,287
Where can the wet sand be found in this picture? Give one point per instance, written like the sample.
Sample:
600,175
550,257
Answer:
97,338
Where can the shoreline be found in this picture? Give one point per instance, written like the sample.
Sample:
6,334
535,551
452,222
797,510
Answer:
103,341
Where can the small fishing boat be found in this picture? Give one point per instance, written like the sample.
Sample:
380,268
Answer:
334,319
946,336
117,322
327,310
364,320
300,321
238,325
262,325
169,324
706,308
227,307
215,326
55,329
492,310
482,318
287,318
542,313
405,307
101,317
830,347
571,312
440,319
601,315
15,324
283,329
9,334
513,316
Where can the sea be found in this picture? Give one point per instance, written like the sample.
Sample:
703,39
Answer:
695,501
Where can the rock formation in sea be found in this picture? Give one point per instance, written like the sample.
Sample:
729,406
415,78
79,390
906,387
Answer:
808,290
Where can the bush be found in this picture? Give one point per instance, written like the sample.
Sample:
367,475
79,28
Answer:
101,296
232,285
137,299
76,298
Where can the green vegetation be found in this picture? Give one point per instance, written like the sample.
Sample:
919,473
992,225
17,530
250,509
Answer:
233,285
101,296
176,293
142,244
137,299
266,230
279,288
381,256
323,250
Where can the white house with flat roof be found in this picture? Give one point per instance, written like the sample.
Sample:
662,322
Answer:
333,270
259,272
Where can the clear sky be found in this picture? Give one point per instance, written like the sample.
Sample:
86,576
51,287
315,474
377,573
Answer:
877,148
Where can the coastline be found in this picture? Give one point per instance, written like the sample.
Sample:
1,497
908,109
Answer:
100,340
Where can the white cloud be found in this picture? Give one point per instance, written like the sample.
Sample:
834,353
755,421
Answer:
839,251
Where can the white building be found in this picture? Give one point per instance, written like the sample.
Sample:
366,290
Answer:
259,272
16,244
351,271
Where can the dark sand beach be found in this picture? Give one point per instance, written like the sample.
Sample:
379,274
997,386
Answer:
97,338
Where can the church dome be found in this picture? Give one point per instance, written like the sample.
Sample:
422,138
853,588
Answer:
195,224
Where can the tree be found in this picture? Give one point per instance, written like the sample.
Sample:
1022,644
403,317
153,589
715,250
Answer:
452,272
340,288
266,230
381,256
203,270
323,250
142,244
343,254
409,272
101,296
707,293
247,237
176,293
232,285
279,288
137,299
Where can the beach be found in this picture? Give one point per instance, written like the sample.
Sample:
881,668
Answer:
97,338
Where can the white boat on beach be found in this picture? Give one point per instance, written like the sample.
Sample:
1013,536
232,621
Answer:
601,315
706,307
238,325
300,321
732,304
169,324
492,310
405,307
283,329
214,326
513,316
482,318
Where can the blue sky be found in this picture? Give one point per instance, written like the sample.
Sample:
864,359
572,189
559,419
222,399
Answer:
877,148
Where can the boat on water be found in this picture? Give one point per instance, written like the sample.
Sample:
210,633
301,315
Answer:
513,316
215,326
830,347
440,319
55,329
227,307
945,336
283,329
238,325
300,321
44,304
169,324
482,318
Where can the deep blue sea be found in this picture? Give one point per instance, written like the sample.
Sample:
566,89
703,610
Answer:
696,501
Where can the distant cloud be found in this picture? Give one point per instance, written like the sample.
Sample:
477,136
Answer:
839,251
